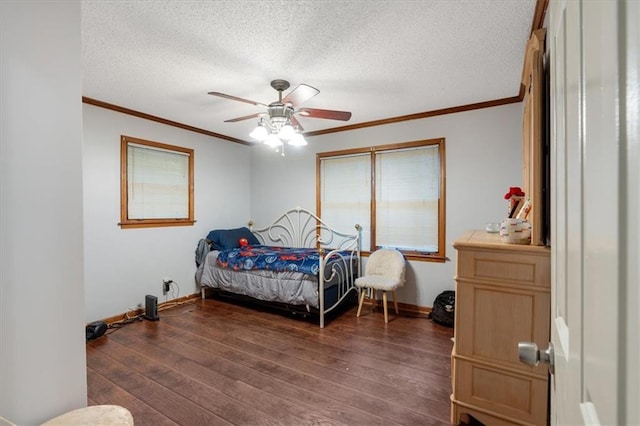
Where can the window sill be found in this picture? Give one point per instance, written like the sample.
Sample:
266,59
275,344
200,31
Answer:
417,257
155,223
426,258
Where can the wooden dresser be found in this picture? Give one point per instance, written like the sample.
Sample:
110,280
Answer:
502,298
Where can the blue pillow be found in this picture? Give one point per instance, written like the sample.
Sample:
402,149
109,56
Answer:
224,239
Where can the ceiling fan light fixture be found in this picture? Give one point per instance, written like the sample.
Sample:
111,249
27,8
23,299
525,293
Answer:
273,140
286,132
298,140
260,133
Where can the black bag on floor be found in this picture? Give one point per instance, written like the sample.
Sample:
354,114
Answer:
444,308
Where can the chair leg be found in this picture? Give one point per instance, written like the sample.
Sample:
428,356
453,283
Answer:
384,303
395,303
373,300
363,292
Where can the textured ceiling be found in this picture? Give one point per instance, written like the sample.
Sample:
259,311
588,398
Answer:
377,59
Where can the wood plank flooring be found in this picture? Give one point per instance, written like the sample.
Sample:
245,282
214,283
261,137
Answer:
212,362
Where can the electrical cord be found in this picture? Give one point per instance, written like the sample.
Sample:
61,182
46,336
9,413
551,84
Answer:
170,305
173,292
179,313
173,289
128,319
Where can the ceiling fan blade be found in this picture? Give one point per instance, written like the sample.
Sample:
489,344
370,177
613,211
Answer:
246,117
297,124
325,113
235,98
300,94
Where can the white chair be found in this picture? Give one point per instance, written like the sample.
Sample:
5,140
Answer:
95,415
384,272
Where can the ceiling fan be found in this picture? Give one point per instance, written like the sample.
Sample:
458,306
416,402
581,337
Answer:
280,117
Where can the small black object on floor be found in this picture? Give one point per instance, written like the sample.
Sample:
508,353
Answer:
443,311
95,330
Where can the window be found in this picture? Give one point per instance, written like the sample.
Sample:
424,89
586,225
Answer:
395,192
156,187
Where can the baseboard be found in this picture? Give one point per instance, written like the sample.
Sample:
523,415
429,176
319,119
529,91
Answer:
405,309
414,310
137,312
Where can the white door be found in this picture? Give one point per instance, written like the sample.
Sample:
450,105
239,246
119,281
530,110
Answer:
593,53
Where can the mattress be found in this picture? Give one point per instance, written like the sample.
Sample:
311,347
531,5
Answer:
294,288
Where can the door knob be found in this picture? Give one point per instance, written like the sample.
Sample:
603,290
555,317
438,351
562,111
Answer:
531,355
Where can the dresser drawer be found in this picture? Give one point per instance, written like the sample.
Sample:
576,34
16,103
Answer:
503,268
506,395
494,319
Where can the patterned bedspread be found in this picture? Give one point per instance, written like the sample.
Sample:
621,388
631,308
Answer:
277,259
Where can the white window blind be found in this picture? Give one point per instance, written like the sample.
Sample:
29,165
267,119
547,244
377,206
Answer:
345,194
395,192
158,183
407,198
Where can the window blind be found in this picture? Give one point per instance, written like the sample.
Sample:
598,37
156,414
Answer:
158,183
345,194
407,198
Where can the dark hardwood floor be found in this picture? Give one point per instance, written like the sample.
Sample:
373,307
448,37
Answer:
212,362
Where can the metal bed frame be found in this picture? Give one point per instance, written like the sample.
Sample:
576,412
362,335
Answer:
299,227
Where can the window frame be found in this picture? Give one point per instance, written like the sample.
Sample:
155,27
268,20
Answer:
440,255
125,222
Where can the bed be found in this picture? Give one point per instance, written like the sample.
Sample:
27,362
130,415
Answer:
298,262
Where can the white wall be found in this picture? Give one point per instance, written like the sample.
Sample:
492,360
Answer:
483,158
124,265
42,336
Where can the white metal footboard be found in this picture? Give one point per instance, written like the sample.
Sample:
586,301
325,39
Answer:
341,251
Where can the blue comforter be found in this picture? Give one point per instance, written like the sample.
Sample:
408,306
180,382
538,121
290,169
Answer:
277,259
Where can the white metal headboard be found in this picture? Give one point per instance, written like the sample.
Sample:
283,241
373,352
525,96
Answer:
299,227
